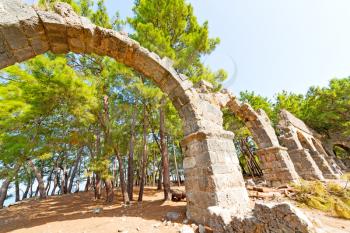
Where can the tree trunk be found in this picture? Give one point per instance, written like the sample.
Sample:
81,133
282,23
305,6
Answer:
109,190
65,180
165,154
125,194
144,154
160,176
49,179
3,191
17,189
131,156
5,186
39,178
176,168
88,182
97,187
55,183
25,194
31,187
75,169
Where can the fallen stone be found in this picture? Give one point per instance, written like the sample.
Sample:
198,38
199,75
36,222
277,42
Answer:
186,229
172,216
250,182
156,225
97,210
177,194
201,228
122,231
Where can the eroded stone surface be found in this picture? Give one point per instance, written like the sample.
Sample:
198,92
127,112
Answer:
306,151
275,162
213,175
272,218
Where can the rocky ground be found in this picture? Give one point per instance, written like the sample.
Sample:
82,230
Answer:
80,213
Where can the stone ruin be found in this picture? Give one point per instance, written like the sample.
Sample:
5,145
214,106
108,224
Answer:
310,159
215,188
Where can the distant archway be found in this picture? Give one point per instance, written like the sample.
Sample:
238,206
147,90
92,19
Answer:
277,167
341,151
212,171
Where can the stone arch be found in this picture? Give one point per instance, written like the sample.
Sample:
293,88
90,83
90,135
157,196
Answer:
212,171
319,158
303,162
305,142
275,162
344,163
344,147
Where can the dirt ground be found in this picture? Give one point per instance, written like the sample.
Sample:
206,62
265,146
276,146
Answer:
74,213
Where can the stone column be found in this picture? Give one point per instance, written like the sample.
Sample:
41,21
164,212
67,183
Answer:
303,162
323,165
275,162
277,166
305,165
213,175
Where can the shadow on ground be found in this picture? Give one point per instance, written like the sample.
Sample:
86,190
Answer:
30,213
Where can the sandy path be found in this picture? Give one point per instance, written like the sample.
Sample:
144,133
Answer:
75,213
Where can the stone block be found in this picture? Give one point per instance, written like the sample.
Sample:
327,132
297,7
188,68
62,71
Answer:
55,28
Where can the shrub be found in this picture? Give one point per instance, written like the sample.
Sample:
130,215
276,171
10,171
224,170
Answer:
331,198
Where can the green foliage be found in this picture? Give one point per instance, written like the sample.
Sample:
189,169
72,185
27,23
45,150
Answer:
331,198
169,28
258,102
328,109
291,102
44,99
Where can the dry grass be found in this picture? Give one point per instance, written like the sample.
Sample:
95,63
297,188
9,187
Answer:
331,198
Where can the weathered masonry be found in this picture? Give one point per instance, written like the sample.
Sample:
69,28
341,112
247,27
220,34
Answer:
310,159
215,187
213,176
275,162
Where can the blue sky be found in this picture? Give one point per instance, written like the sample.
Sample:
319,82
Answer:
276,45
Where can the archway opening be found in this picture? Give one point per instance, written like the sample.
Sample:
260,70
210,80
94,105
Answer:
37,32
245,145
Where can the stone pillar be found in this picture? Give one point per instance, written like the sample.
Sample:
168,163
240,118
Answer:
303,162
305,165
213,175
275,162
323,165
277,166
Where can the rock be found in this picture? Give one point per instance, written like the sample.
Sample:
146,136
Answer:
138,229
186,229
185,221
122,231
172,216
250,182
201,228
177,194
97,210
156,225
167,223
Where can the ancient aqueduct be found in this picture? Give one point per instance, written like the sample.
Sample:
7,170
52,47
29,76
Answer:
216,192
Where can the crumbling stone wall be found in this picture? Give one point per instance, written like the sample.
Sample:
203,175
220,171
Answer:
212,170
336,139
309,159
272,218
275,162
